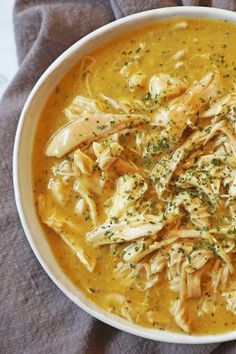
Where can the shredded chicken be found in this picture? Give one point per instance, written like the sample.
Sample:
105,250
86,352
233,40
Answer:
165,85
108,155
188,106
88,129
81,106
180,315
65,228
155,184
230,298
83,162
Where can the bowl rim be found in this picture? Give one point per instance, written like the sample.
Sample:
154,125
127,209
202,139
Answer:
97,312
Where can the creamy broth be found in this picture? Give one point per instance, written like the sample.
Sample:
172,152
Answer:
141,77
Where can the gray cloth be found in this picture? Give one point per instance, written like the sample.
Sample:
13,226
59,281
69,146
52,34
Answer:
35,317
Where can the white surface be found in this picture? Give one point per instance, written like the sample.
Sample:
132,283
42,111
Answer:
8,59
22,166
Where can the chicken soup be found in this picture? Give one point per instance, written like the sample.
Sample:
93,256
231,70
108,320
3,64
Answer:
134,174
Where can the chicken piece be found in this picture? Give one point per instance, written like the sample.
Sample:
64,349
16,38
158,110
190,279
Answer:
83,162
198,259
194,284
207,305
222,106
219,275
137,80
179,65
198,265
119,302
115,104
165,168
143,247
181,25
195,264
163,171
123,230
188,106
138,140
106,156
81,106
64,227
90,128
179,55
129,189
138,274
58,191
177,255
220,252
200,181
197,211
179,312
216,160
230,298
81,188
160,118
165,86
80,207
229,132
208,177
158,262
149,143
123,225
230,182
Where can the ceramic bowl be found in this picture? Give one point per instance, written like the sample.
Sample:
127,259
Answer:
22,163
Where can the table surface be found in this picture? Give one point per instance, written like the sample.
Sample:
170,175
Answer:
8,59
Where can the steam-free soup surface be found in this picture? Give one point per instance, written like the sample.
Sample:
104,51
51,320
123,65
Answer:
136,193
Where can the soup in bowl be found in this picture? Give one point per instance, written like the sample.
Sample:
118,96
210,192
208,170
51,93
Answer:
133,175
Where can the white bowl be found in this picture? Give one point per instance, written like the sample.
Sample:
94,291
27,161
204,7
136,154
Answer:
22,164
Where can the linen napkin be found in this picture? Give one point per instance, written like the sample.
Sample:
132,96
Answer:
35,317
